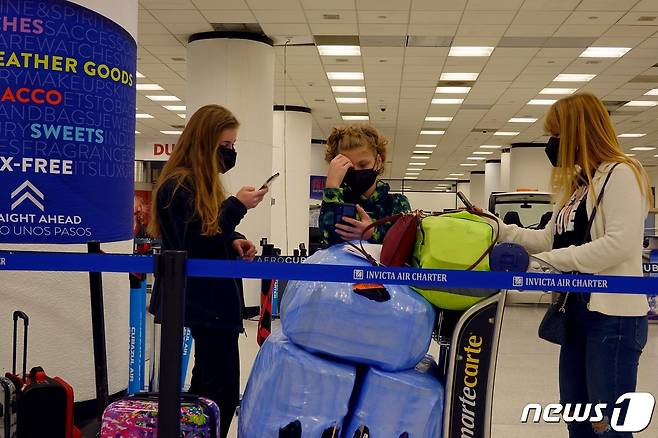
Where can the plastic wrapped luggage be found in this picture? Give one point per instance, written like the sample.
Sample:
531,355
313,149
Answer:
137,416
294,394
389,327
454,241
402,404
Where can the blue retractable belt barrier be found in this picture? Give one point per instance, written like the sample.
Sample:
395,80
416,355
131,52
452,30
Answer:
78,262
137,352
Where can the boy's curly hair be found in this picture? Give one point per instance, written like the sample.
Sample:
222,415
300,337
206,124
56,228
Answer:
345,138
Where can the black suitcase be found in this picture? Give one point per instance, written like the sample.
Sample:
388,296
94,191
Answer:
11,384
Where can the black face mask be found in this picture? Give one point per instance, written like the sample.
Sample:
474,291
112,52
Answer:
553,150
359,181
227,159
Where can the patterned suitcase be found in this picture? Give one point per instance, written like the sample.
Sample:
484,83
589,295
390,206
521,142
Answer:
136,417
8,420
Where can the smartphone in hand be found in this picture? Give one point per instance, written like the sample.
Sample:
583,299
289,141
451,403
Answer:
269,181
344,210
465,201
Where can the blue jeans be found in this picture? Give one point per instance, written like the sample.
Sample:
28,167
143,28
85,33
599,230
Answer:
599,362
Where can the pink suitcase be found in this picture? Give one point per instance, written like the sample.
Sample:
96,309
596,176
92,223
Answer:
136,417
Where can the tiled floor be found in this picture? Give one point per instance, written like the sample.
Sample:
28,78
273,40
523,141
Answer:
526,373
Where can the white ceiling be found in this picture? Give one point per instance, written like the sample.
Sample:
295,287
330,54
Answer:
526,59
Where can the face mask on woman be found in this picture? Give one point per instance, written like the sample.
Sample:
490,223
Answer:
553,150
359,181
227,159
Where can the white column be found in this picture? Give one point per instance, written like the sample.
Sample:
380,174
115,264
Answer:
239,74
290,192
505,168
491,178
58,303
465,188
477,189
530,168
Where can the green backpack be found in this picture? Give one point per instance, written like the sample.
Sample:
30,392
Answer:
461,241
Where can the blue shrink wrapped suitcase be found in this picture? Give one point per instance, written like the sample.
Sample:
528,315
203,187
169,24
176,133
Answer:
390,328
402,404
292,393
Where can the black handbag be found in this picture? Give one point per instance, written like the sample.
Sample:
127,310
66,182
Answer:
553,327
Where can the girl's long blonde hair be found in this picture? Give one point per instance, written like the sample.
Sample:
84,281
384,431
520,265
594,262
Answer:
587,139
195,164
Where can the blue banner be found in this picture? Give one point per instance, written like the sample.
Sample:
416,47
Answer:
67,124
137,352
441,279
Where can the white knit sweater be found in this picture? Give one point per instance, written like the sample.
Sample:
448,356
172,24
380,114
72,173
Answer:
616,246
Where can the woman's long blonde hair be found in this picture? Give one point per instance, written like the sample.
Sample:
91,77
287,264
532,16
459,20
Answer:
587,139
195,164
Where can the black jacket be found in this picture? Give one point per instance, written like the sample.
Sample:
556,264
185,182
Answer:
211,303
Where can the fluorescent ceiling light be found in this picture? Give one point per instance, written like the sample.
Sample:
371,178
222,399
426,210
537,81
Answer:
411,174
459,76
522,120
351,100
629,135
642,103
410,177
643,148
175,107
148,87
419,157
604,52
182,116
476,158
171,132
356,118
470,51
468,164
423,152
653,92
431,132
345,75
339,50
417,164
456,174
542,101
414,169
163,98
558,91
137,132
453,90
451,179
573,77
143,116
438,119
482,153
348,89
447,101
139,75
490,146
631,155
427,146
506,133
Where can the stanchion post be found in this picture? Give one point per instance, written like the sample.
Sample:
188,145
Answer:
98,333
172,277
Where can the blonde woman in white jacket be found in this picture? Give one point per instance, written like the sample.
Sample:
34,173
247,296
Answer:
606,332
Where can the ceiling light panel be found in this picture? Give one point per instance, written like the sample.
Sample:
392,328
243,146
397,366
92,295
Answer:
542,101
468,164
339,50
604,52
143,116
453,90
490,146
348,89
345,76
631,135
642,103
459,76
643,148
419,157
351,100
438,119
482,153
506,133
470,51
558,90
574,77
440,101
653,92
163,98
148,87
171,132
423,152
426,146
356,118
476,158
431,132
175,107
522,120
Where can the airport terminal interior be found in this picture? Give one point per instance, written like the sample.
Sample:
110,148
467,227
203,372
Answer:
353,109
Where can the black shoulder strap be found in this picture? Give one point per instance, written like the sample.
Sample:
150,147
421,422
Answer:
588,230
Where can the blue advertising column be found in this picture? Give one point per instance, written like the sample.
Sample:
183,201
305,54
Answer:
67,121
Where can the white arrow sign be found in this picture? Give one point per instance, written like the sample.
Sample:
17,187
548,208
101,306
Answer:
26,187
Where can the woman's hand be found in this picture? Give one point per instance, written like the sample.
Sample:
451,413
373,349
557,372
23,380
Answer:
337,170
245,249
251,197
354,229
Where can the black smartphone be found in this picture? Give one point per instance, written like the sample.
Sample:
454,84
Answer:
269,181
465,201
344,210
